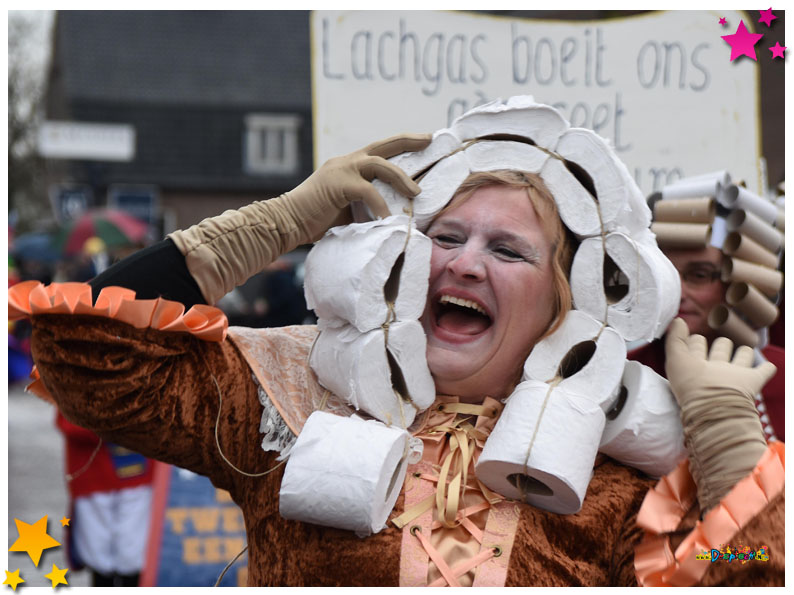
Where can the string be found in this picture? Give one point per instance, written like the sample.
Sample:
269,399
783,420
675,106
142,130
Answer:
552,385
79,472
217,439
229,565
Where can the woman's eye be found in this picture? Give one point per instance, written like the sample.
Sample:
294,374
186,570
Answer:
446,239
508,253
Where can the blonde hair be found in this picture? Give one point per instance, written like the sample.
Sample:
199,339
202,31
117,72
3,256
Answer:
563,242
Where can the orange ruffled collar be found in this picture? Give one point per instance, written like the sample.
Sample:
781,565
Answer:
30,298
668,502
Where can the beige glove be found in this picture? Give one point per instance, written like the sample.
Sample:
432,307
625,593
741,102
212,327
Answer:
722,430
223,252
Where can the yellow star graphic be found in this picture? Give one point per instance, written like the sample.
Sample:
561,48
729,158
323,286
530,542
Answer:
13,579
57,576
33,539
65,522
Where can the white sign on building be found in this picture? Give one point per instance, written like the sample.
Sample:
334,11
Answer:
86,140
660,86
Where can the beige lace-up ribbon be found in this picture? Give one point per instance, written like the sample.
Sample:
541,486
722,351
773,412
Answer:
436,501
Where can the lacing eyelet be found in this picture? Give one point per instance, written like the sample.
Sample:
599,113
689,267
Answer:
414,529
417,474
497,551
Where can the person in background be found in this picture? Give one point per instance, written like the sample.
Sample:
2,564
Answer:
110,495
702,290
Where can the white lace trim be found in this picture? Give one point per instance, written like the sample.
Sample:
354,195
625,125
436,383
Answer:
277,435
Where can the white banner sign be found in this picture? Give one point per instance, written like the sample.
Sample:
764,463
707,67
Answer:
660,86
87,140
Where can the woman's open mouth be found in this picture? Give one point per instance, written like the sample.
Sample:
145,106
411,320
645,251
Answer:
459,317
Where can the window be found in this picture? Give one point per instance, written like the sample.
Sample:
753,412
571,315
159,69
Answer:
271,144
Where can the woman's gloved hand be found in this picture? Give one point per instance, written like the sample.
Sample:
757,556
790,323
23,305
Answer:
722,429
223,252
322,200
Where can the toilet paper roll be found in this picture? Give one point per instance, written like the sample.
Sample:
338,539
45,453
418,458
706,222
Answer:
578,208
355,269
495,155
643,429
685,210
752,226
737,197
438,187
541,450
587,356
767,280
706,185
723,320
442,181
722,177
682,236
344,472
443,144
635,286
719,231
752,304
390,384
610,178
740,246
519,116
636,219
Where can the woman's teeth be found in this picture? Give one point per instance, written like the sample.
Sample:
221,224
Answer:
448,299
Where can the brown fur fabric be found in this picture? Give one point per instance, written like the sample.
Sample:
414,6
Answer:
153,392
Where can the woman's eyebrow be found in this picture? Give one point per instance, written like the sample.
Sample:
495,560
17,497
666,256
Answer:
517,241
446,222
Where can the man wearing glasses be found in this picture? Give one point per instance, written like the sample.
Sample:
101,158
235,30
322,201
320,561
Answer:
702,290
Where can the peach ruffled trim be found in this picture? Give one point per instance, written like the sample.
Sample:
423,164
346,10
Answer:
666,504
32,297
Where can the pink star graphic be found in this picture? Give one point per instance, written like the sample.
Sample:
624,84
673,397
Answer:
742,42
723,22
767,17
777,50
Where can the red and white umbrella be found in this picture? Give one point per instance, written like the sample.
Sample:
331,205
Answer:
115,228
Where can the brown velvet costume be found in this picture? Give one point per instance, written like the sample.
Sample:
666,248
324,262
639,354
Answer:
153,391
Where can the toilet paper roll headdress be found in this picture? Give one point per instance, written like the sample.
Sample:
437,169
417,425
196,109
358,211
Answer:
619,276
623,287
709,210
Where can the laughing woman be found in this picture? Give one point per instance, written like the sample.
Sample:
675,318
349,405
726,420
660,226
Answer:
502,254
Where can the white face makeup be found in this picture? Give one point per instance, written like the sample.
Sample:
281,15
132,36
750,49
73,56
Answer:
491,294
